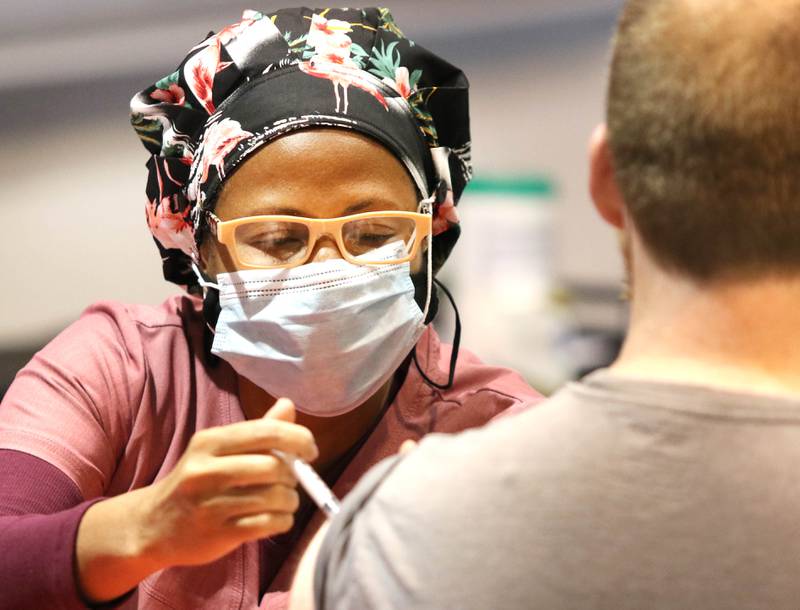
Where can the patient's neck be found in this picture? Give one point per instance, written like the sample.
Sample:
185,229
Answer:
737,335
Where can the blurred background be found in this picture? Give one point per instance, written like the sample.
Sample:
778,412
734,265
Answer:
536,277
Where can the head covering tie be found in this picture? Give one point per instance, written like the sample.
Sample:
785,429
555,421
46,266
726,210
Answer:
270,74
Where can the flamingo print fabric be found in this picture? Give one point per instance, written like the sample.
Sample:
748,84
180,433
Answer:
332,60
272,73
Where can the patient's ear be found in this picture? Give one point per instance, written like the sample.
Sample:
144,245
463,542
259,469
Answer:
603,185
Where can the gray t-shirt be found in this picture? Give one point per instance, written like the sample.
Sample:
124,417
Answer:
614,493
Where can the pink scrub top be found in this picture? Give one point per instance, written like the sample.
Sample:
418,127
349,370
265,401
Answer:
113,401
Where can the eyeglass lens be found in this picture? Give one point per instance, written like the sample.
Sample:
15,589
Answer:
271,243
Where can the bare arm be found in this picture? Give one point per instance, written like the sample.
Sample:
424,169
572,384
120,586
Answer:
302,596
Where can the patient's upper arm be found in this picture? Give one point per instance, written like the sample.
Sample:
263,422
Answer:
302,597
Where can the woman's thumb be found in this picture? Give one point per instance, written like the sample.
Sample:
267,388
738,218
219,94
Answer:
283,409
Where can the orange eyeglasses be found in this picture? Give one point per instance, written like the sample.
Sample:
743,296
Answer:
269,242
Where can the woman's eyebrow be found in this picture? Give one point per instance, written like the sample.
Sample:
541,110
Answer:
277,211
365,204
370,203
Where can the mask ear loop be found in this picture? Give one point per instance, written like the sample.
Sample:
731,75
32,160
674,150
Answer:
441,161
205,285
426,207
453,355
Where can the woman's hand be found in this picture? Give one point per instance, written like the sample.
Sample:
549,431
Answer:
226,489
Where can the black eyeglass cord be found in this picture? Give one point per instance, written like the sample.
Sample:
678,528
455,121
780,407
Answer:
456,344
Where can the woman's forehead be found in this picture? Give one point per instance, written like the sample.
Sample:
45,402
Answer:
322,208
320,151
318,173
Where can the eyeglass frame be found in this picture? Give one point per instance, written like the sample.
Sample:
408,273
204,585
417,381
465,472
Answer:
225,233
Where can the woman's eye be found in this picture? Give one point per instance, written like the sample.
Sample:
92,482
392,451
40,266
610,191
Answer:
374,229
280,242
374,238
277,244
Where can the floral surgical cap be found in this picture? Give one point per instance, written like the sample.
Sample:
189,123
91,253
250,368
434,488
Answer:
272,73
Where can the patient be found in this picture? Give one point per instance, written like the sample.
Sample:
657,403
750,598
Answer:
669,480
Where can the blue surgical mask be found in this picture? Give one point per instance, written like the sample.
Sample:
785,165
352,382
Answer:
326,335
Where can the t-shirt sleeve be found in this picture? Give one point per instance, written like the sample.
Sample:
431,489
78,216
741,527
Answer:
337,581
409,535
72,405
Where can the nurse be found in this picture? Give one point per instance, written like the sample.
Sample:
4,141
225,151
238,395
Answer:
304,171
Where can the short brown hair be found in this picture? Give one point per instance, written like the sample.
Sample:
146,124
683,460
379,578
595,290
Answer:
704,128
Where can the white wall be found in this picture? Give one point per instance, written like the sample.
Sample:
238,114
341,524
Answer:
533,110
73,222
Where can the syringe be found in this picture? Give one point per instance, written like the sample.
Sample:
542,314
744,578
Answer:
315,487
